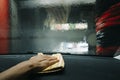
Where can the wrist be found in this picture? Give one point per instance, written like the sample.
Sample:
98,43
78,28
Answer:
26,64
30,64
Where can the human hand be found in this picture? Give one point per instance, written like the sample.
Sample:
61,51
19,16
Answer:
35,64
42,61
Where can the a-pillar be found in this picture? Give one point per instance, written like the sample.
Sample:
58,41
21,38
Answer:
4,26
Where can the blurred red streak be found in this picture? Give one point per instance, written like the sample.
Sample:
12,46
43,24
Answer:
4,26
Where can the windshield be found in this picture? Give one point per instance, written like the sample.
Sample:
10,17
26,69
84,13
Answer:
47,26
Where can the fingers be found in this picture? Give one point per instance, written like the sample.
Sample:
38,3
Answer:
49,61
53,62
44,64
41,57
42,61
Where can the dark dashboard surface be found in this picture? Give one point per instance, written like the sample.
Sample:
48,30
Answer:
76,67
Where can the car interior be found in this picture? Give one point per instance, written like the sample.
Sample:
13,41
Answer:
85,32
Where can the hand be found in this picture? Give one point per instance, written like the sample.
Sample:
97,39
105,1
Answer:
35,63
42,61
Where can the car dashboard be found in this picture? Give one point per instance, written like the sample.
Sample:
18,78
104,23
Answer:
77,67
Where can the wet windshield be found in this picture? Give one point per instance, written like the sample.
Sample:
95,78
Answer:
47,26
